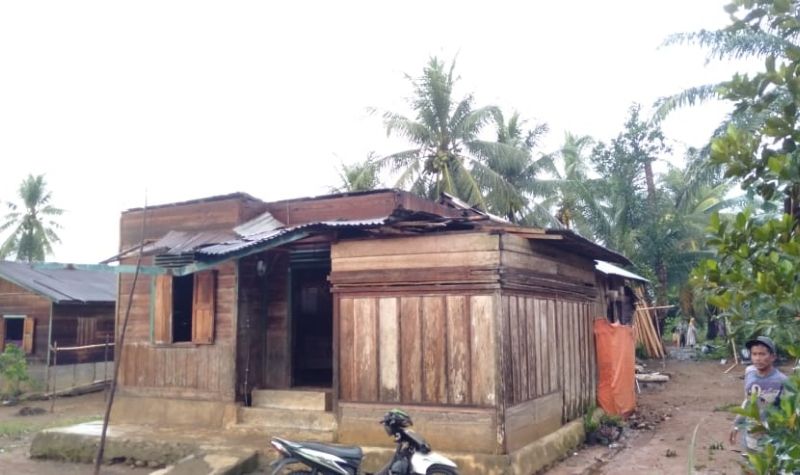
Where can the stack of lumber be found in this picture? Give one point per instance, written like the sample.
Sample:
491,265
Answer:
646,333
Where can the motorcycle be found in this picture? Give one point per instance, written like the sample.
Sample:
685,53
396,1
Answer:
412,456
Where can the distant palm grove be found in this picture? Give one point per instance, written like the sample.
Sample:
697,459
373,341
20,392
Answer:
607,191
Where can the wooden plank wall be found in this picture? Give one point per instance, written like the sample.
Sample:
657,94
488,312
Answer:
539,267
184,369
431,252
550,299
548,346
356,206
277,369
65,331
15,300
436,349
251,331
195,216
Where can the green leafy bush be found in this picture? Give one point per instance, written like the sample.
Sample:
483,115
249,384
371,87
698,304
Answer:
14,370
590,423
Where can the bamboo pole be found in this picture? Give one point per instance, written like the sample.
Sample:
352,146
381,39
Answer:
119,346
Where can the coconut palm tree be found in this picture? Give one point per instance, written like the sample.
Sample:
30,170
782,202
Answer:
570,190
32,222
448,153
360,176
521,171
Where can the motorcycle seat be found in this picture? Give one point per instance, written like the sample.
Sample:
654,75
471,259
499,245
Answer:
345,452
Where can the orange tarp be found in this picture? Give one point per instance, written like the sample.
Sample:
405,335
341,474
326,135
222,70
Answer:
616,374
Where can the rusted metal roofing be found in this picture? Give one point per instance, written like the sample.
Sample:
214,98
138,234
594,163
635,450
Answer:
450,200
610,269
588,248
62,283
255,240
183,242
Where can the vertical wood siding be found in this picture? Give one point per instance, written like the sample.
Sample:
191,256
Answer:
550,347
431,349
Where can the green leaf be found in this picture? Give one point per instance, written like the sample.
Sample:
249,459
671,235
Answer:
781,6
777,163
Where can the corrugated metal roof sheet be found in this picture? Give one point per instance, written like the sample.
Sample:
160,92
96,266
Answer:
587,247
253,240
262,224
610,269
182,242
61,283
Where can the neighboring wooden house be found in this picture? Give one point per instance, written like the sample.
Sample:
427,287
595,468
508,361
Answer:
618,294
481,329
56,303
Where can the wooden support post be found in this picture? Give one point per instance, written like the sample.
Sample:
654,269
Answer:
55,371
105,370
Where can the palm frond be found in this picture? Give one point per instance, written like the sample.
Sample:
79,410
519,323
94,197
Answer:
688,97
738,44
474,122
414,131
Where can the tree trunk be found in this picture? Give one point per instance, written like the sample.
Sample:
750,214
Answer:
651,183
661,290
791,205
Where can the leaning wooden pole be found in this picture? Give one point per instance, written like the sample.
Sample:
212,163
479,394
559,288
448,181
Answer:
98,460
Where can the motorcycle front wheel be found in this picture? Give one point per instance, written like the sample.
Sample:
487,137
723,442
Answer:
441,470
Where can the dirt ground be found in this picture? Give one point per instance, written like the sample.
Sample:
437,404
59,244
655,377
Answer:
667,416
16,433
696,396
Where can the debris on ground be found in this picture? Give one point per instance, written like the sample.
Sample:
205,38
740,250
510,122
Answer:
31,411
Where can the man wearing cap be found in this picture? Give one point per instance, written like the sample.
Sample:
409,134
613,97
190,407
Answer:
765,381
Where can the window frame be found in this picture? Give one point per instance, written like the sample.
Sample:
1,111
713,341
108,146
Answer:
204,311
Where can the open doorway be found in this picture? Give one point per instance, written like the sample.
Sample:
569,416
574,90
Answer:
312,321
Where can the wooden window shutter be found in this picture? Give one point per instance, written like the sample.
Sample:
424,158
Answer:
27,335
162,310
203,307
2,334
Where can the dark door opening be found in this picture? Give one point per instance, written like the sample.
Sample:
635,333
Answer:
312,325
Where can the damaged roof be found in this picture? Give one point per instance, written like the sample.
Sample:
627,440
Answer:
184,249
256,240
610,269
62,283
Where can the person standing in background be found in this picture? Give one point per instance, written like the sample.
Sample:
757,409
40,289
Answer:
691,334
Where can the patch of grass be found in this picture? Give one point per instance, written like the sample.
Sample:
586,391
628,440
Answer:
726,407
23,426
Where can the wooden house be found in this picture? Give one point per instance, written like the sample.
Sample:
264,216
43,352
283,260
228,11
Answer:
59,304
618,292
319,314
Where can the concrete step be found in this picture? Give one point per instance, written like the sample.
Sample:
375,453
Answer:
292,399
262,435
269,418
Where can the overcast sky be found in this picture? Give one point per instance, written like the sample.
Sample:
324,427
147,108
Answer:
180,100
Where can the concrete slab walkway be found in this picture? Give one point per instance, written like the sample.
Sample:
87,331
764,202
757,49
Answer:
174,451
